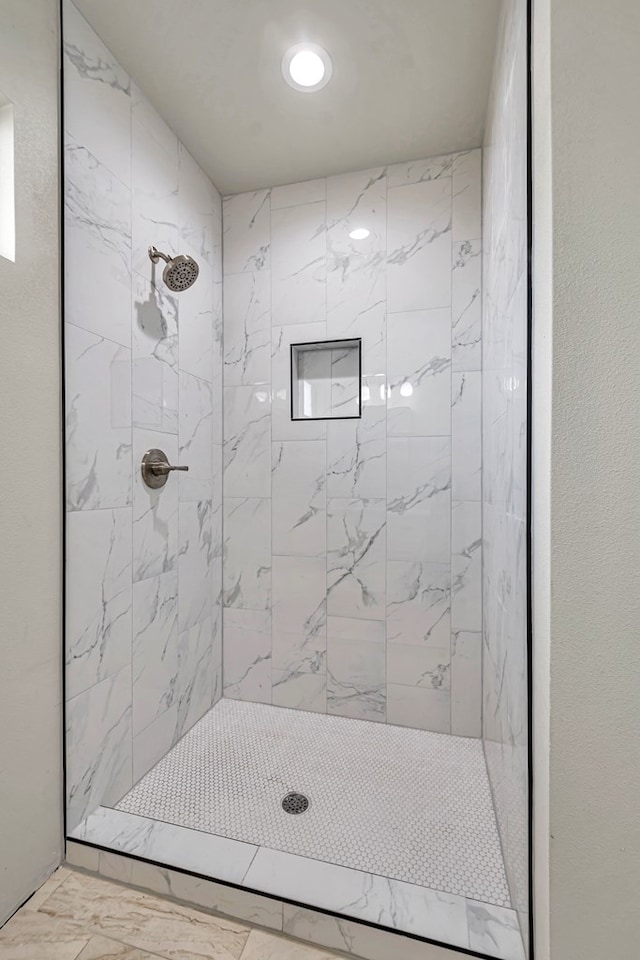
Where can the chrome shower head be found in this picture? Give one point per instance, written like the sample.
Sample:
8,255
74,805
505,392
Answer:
181,271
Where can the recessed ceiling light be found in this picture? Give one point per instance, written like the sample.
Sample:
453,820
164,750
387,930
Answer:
360,233
307,67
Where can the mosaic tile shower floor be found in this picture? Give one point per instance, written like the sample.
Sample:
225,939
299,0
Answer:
392,801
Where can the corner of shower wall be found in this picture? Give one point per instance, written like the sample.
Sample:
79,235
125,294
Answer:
352,554
143,369
504,405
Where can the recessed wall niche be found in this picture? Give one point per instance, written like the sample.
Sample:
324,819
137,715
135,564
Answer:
325,380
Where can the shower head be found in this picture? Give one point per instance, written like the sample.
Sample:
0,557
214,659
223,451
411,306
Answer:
180,272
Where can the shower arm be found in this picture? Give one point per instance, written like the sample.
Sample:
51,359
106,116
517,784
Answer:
155,255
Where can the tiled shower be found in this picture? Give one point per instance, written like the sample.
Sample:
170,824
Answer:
325,602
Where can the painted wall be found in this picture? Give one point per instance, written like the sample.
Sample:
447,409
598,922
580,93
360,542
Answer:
143,370
504,439
593,838
352,549
31,556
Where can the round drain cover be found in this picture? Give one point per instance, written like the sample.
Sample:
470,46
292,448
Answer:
295,803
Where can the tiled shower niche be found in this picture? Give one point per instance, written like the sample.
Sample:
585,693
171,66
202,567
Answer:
325,380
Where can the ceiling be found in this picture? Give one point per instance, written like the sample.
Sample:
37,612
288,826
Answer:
410,80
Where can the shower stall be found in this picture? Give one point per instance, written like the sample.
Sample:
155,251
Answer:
297,523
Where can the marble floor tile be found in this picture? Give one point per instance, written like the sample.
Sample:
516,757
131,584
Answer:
35,935
102,948
268,946
47,888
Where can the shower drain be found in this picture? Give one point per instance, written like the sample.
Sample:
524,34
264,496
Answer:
295,803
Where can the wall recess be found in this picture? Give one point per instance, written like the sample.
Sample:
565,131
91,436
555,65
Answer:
325,380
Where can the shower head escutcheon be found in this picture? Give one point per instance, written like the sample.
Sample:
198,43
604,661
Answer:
180,272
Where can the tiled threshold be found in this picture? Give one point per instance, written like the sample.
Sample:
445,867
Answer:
294,886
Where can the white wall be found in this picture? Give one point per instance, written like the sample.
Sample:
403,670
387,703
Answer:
143,370
376,522
30,509
593,839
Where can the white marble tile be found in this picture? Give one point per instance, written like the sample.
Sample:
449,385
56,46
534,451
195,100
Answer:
165,842
419,498
355,558
154,175
424,708
419,246
356,674
154,742
97,246
155,512
419,373
418,603
357,201
299,691
357,449
345,380
195,208
298,264
98,610
391,903
195,679
283,427
295,653
413,665
247,328
494,931
232,901
246,238
467,195
466,436
79,855
466,565
299,497
247,553
417,171
99,761
155,357
194,563
98,421
247,441
299,596
195,438
466,279
97,96
155,648
246,655
354,938
196,355
356,305
293,194
466,684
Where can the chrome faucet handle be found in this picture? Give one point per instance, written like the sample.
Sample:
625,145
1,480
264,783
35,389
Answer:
155,468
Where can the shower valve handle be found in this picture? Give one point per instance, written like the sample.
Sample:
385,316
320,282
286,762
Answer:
155,468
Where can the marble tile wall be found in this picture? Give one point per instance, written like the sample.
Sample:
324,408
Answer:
143,369
352,548
504,406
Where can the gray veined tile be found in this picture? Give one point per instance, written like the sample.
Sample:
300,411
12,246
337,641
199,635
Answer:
155,647
194,563
419,373
356,306
152,743
466,691
155,357
427,666
196,354
418,603
293,194
466,565
195,209
357,200
155,512
299,596
98,421
467,198
97,95
247,441
195,677
98,244
494,931
247,328
299,690
355,558
417,171
195,438
298,264
418,499
466,436
419,246
98,625
246,567
283,427
424,708
246,219
356,674
299,497
466,346
247,655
